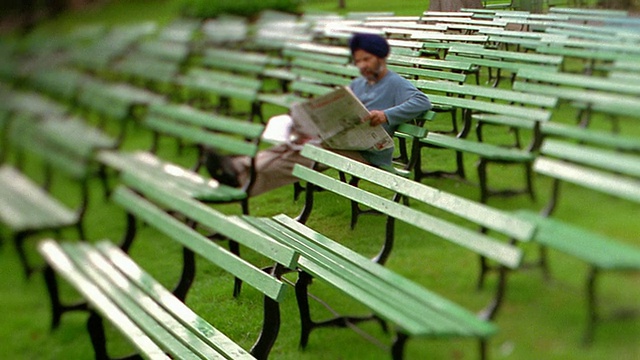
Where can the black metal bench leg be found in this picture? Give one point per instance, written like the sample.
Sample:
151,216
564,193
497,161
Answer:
302,297
484,269
57,307
19,240
482,178
483,349
54,296
543,263
591,306
271,325
490,312
397,349
98,339
234,247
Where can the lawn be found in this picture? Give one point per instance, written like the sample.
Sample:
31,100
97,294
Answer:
540,320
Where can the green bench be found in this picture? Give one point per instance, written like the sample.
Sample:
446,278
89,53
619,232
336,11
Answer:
31,203
60,83
239,61
414,311
226,90
154,319
147,72
503,61
597,170
193,127
586,93
434,64
97,56
114,102
181,30
483,102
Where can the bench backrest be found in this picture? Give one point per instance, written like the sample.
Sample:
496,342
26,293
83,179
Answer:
603,170
61,83
473,213
148,200
156,197
205,129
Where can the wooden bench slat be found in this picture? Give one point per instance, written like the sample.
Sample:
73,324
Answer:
486,150
480,213
64,266
605,159
27,206
271,286
163,328
206,216
162,296
597,180
596,249
481,244
366,288
408,288
206,119
157,170
199,136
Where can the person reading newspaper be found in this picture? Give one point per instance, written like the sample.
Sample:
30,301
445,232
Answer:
389,98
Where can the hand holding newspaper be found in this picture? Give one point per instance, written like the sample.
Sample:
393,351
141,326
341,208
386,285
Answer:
336,119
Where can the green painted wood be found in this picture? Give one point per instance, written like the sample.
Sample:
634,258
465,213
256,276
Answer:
205,119
489,107
427,73
405,287
76,136
614,161
199,136
348,70
211,218
165,330
478,51
580,81
478,213
25,205
511,66
606,101
485,150
154,169
174,52
598,137
61,83
597,249
594,179
429,63
479,243
152,288
199,244
488,93
147,68
355,282
59,260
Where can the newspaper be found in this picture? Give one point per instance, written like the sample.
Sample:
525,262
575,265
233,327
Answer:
336,119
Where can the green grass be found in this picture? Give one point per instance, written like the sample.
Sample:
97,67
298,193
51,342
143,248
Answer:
540,320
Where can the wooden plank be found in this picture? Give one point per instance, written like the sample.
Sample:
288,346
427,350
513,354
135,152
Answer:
589,178
202,246
479,243
55,256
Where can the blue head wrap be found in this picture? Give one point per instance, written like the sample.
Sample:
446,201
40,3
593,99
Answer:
371,43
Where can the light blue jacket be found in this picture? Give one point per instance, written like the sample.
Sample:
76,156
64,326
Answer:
399,100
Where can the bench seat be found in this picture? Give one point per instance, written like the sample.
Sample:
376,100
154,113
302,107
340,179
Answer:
26,206
413,310
155,169
149,316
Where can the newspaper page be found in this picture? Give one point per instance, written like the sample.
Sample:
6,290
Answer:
336,119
